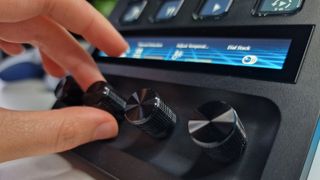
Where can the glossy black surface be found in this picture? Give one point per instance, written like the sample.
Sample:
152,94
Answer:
141,105
216,127
212,122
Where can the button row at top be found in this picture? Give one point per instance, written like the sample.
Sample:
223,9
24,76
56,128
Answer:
208,9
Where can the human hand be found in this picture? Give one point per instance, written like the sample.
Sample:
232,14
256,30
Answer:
44,24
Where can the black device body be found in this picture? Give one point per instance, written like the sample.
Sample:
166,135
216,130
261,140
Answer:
278,109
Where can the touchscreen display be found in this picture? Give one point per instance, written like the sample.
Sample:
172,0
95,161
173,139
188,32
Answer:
248,52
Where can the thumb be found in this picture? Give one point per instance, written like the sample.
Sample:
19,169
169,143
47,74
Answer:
33,133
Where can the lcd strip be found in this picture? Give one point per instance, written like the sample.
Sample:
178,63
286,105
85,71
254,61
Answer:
260,53
273,53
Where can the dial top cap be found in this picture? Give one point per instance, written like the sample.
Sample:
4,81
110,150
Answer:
213,122
141,105
93,94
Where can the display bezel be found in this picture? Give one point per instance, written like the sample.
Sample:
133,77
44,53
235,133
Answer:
299,34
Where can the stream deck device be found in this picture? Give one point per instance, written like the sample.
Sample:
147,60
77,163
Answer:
209,89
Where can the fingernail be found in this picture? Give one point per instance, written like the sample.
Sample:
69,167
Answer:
105,131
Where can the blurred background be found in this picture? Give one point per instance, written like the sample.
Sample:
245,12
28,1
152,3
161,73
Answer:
104,6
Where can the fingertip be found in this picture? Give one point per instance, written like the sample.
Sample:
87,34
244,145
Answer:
105,37
118,45
106,124
122,48
96,116
106,130
85,80
80,125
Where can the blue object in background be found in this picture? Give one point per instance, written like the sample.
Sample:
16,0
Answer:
20,67
20,71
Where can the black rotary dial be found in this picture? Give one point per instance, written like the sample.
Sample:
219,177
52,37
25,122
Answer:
217,128
146,110
68,92
103,96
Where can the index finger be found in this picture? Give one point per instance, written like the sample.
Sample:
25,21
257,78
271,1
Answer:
81,18
77,16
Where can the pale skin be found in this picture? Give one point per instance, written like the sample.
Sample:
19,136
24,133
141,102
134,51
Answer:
44,24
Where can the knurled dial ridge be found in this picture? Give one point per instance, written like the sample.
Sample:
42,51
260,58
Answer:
103,96
146,110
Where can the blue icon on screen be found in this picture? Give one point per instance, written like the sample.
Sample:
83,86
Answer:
169,10
249,59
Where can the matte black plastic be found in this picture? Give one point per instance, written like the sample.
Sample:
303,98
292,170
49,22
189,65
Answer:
178,156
